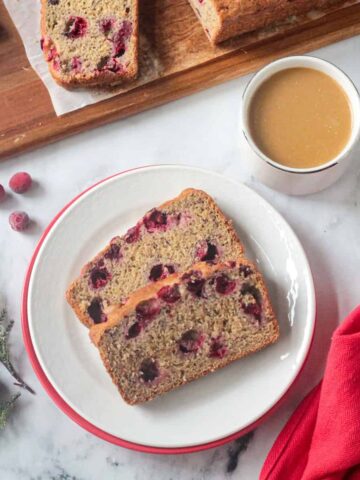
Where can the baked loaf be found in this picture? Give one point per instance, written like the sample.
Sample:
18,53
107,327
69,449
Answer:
185,326
167,239
224,19
90,43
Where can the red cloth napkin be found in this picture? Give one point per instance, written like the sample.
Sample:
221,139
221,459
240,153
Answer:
321,441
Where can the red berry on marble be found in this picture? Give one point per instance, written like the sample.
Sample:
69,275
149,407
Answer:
2,193
19,221
20,182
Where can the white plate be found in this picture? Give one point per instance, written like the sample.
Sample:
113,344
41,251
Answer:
213,407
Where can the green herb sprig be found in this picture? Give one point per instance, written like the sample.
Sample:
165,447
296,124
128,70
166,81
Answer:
5,329
5,408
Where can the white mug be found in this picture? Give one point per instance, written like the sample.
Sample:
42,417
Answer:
298,181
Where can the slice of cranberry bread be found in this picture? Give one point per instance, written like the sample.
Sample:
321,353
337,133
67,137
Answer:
167,239
184,327
224,19
90,43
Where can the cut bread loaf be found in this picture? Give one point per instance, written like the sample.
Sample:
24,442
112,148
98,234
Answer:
90,43
168,239
224,19
184,327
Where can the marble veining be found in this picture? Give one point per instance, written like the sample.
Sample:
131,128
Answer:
40,442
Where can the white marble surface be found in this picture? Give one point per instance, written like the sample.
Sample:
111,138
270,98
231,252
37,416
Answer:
40,442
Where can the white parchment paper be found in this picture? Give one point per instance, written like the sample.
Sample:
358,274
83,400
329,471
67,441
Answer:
26,17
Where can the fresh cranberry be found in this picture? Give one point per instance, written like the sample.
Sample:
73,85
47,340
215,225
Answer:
53,2
2,193
95,311
134,330
20,182
133,234
113,252
42,40
207,252
170,293
155,220
217,348
106,25
76,64
148,309
253,309
191,341
160,271
19,221
245,270
75,27
224,285
149,370
99,276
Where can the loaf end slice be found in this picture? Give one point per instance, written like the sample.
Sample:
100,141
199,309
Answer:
225,19
184,327
90,43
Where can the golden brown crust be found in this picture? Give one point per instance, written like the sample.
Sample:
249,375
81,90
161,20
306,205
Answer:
104,78
70,293
234,17
117,314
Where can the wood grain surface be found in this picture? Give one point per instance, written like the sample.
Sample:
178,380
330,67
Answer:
185,63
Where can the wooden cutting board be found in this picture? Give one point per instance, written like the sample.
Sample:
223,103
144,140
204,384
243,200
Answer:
186,63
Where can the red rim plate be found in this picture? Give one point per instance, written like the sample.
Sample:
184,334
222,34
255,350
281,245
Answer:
59,401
